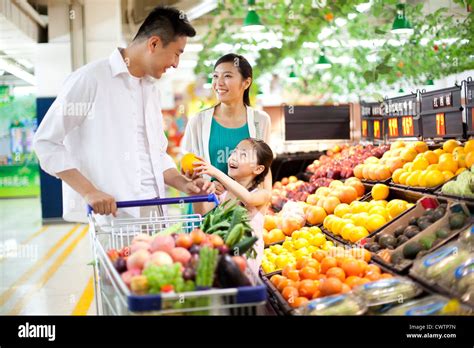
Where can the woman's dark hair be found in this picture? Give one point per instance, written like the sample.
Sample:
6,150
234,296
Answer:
264,158
244,67
166,22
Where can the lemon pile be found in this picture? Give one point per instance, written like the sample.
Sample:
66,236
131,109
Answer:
433,168
301,244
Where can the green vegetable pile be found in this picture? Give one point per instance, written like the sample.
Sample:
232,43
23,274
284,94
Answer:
160,276
206,266
230,221
463,185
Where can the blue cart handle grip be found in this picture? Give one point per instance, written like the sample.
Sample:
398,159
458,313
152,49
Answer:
163,201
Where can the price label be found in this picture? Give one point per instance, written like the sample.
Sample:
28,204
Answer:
440,124
377,129
407,126
442,101
393,127
364,128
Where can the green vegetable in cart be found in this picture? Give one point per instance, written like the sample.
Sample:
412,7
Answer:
159,276
206,267
244,245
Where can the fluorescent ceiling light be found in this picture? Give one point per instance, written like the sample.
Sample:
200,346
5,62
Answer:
17,71
200,10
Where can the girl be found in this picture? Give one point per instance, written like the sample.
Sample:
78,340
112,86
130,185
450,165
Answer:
215,132
247,168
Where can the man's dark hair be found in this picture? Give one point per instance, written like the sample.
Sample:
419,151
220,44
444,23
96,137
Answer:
166,22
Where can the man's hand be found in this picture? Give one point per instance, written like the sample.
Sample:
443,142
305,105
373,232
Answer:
101,202
220,189
200,186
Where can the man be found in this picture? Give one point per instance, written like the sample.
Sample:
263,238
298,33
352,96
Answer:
103,135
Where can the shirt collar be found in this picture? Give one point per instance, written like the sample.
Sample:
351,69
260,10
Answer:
118,66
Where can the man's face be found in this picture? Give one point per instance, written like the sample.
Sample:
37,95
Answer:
160,58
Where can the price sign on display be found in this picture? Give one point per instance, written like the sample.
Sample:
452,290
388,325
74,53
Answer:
393,127
407,126
364,128
377,133
440,124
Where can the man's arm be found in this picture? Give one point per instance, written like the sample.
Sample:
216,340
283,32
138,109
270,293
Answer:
101,202
191,187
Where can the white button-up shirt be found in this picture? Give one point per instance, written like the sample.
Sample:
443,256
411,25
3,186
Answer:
91,127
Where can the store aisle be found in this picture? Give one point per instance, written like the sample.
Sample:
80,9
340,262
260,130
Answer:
43,269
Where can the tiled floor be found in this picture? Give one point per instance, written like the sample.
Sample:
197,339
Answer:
43,269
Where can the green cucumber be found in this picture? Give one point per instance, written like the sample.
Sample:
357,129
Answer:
234,235
244,245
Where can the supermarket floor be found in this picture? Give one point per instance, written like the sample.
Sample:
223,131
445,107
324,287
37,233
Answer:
43,268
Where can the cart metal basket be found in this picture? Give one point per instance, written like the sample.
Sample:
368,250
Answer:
112,295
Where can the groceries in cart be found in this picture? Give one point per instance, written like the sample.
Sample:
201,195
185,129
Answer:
170,260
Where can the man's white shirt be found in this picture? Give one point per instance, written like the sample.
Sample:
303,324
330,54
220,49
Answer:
95,126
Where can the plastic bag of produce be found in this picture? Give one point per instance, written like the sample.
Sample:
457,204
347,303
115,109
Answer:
439,264
386,291
431,305
345,304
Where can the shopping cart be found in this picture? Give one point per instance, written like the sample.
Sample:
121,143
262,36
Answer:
112,295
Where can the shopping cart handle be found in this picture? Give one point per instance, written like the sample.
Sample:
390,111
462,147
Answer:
164,201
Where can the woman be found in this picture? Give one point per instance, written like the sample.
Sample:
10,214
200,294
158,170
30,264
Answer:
215,132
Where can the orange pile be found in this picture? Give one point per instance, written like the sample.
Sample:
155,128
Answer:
326,273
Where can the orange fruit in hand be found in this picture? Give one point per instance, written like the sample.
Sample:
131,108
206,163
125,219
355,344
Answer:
330,286
299,301
308,273
289,293
336,272
307,288
187,162
327,263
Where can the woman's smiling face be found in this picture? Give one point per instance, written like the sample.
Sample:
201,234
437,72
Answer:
227,82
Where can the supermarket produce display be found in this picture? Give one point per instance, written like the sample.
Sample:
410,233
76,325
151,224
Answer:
382,227
380,221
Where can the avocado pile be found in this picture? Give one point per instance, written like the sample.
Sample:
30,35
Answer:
418,248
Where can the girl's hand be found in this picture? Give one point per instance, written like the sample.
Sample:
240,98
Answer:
202,167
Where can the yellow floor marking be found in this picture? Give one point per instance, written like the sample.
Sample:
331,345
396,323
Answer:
84,303
6,295
49,273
